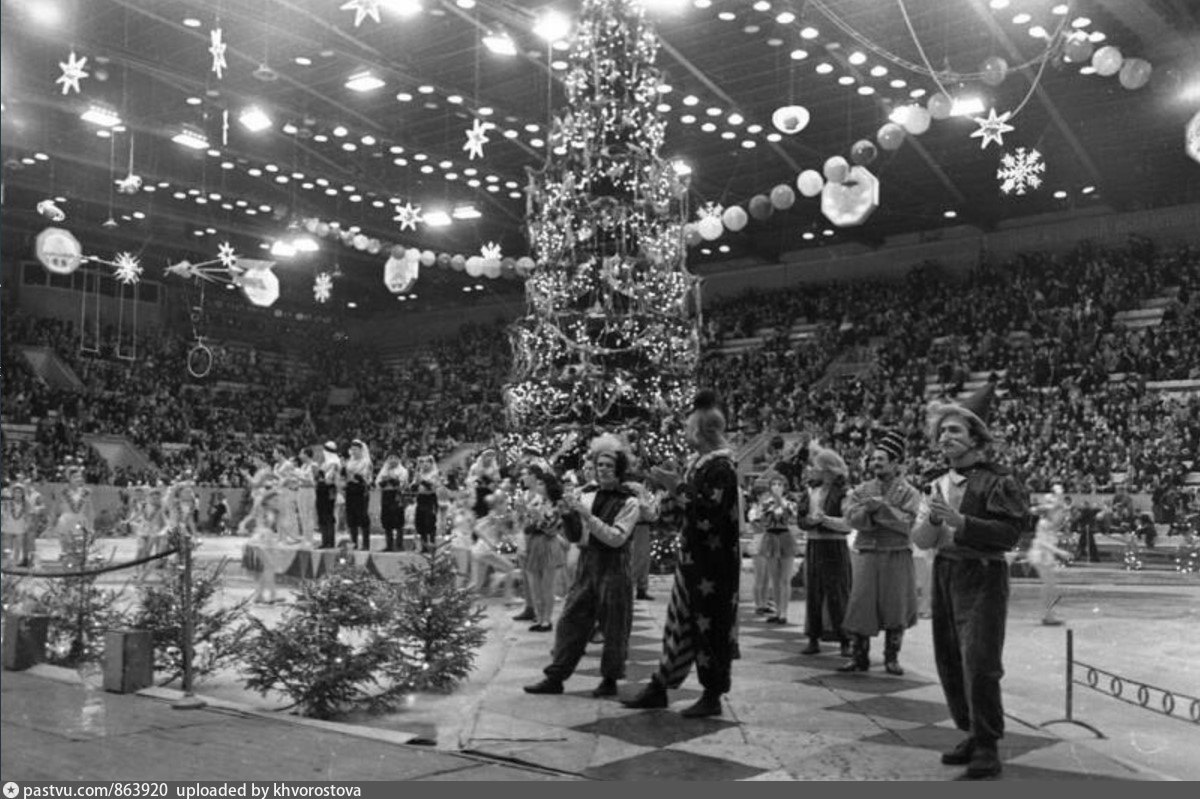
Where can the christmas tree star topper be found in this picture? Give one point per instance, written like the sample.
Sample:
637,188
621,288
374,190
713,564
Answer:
409,216
992,128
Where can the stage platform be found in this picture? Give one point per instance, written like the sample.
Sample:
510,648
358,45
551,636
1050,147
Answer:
303,563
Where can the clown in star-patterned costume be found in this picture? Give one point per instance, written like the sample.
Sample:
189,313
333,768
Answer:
701,622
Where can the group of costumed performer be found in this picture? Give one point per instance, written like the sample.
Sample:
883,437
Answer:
276,549
75,519
21,515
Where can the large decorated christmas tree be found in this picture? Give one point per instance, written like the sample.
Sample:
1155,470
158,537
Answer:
610,340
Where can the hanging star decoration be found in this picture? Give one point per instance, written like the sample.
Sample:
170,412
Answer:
710,209
129,271
476,138
226,255
362,10
992,128
217,48
72,72
323,287
490,251
409,216
1021,171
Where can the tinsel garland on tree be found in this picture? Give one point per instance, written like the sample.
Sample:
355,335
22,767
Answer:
611,335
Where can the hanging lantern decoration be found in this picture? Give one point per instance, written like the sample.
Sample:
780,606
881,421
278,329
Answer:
399,274
836,169
760,207
810,182
475,266
1135,73
734,218
258,282
863,152
710,228
782,197
58,250
994,70
890,136
1191,137
1107,61
428,258
1077,48
790,119
458,263
940,105
852,201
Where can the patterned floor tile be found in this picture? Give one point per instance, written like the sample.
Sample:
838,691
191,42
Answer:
865,683
672,764
941,738
658,728
730,744
894,707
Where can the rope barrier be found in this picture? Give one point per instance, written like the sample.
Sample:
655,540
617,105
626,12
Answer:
112,567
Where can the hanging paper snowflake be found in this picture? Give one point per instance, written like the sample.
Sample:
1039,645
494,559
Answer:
1020,171
72,72
217,48
362,10
710,211
490,251
323,287
476,138
129,271
992,128
409,216
226,255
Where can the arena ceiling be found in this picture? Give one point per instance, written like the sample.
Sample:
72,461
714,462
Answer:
332,153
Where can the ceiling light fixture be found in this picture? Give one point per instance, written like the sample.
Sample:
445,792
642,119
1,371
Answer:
364,81
810,33
499,42
966,107
191,137
102,115
254,119
464,212
552,26
405,8
438,219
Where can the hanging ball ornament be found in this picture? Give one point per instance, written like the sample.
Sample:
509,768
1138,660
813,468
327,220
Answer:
1077,48
810,182
428,258
891,136
760,207
1107,61
734,218
782,197
863,152
1135,72
397,251
710,228
790,119
836,169
443,260
994,70
475,266
691,235
940,105
525,265
915,120
458,263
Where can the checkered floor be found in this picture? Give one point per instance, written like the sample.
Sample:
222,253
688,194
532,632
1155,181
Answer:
788,717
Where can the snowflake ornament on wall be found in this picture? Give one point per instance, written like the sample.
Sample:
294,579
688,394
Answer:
476,138
1021,171
409,216
490,251
992,128
129,271
226,255
217,48
72,72
323,287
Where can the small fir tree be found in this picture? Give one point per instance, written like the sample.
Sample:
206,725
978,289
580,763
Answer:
80,611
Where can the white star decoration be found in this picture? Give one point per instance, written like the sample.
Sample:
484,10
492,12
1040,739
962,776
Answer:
226,255
217,48
476,138
72,72
490,251
992,128
129,271
362,10
409,216
323,287
1020,171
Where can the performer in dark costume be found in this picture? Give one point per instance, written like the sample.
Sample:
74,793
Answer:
327,475
826,556
392,480
702,617
974,514
358,473
600,519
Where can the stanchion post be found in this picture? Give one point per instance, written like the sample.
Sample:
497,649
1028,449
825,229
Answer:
189,701
1070,673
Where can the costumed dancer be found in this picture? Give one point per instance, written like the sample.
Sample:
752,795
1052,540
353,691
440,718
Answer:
826,555
764,604
359,474
776,512
75,520
600,519
1044,551
327,475
883,593
973,516
15,519
392,481
539,518
180,507
493,548
483,477
265,540
306,475
138,522
701,622
37,519
462,535
287,483
428,481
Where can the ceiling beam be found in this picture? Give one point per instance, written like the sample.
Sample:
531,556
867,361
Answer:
1043,97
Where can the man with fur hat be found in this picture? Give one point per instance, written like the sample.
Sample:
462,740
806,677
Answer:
883,593
600,520
702,617
974,514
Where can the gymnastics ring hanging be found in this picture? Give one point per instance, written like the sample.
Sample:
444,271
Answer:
199,359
